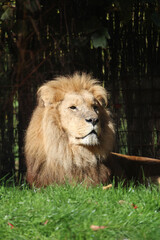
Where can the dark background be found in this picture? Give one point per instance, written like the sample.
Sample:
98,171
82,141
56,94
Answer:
117,41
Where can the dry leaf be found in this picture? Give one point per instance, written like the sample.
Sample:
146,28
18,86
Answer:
121,202
107,187
45,222
134,206
11,225
95,227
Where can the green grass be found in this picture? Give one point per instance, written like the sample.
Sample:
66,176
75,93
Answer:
67,212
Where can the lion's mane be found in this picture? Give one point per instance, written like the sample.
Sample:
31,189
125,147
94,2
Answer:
50,156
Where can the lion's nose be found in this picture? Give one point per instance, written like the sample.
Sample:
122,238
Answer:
93,121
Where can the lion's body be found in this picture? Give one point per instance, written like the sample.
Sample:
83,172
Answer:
70,133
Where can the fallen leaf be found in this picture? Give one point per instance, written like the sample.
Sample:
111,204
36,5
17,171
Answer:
134,206
95,227
121,202
11,225
45,222
107,187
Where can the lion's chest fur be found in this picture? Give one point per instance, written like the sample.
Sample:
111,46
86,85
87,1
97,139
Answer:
78,165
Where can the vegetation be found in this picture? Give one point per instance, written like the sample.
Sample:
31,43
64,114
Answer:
76,212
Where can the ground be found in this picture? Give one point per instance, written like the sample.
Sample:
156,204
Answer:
76,212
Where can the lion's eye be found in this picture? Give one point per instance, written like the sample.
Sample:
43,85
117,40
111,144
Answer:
95,107
73,107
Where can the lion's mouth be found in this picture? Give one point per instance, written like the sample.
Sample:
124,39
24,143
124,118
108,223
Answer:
92,132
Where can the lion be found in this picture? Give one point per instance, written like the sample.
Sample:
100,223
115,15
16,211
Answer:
71,135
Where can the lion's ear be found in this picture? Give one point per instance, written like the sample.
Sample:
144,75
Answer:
45,96
101,95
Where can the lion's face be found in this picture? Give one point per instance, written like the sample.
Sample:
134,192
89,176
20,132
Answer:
79,113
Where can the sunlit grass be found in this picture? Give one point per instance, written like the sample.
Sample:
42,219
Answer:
67,212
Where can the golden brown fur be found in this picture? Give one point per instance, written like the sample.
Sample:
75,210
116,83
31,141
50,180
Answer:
133,168
67,143
70,137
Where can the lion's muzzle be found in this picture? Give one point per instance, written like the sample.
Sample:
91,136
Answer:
93,121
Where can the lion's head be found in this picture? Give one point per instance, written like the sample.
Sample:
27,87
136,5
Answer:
70,129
